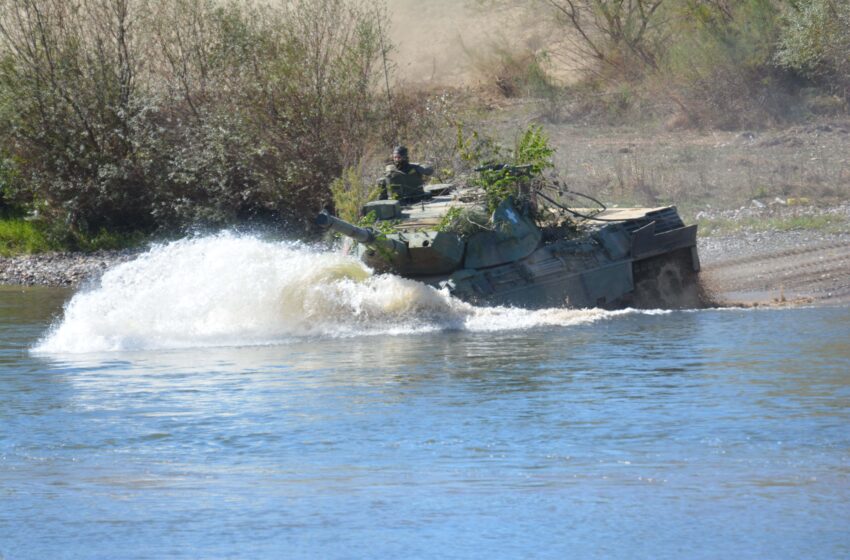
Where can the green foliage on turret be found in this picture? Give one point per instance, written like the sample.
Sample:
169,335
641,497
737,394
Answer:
464,221
505,172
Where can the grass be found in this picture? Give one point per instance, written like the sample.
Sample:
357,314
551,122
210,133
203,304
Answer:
110,241
19,236
23,237
819,223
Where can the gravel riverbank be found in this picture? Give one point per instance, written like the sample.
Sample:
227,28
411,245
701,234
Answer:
747,267
59,269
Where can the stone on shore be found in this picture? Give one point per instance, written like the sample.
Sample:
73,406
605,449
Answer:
59,269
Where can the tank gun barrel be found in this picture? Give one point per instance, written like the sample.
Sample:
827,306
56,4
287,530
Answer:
366,236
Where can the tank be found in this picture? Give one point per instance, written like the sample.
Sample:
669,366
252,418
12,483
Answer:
532,250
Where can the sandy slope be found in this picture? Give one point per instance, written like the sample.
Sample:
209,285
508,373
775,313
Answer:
458,43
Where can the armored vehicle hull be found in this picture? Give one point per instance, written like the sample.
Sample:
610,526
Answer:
639,257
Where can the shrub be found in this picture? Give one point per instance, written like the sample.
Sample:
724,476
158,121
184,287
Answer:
7,180
502,172
816,43
20,236
623,35
513,70
350,192
162,114
69,82
717,63
719,69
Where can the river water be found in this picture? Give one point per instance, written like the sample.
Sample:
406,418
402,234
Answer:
228,397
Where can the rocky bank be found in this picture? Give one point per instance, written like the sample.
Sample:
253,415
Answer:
59,269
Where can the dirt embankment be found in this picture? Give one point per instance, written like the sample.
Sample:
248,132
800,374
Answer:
777,268
454,43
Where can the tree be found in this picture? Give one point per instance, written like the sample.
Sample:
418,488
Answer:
816,42
614,32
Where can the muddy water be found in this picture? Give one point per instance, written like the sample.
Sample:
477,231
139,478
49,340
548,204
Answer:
189,409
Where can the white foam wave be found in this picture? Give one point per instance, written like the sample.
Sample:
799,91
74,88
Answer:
232,290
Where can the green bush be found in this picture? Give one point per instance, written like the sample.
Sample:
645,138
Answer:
164,114
504,172
719,70
816,42
20,236
7,179
350,192
514,71
714,63
69,82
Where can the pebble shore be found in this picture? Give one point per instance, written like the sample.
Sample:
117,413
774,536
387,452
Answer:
59,269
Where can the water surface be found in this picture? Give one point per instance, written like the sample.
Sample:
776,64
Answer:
356,433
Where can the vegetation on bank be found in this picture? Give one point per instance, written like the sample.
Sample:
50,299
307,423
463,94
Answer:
699,63
815,223
154,115
121,119
20,236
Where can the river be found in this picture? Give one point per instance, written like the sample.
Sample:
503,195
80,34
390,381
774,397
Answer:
229,397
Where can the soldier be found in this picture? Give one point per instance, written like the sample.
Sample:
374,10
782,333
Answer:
403,180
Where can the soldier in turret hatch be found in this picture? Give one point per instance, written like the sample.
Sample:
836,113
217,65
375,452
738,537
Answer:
403,180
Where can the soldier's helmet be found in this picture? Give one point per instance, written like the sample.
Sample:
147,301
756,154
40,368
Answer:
400,151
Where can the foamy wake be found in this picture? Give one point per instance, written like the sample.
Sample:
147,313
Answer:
233,290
